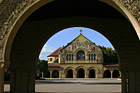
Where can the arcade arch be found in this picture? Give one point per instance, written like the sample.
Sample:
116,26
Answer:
80,73
55,74
107,74
92,73
116,74
69,73
24,41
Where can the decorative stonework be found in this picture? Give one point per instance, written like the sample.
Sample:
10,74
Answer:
8,17
4,65
10,10
133,6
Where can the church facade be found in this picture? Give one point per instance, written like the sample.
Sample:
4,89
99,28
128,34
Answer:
80,58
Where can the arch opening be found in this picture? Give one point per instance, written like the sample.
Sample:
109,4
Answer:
69,73
55,74
39,35
81,73
116,74
47,74
92,73
107,74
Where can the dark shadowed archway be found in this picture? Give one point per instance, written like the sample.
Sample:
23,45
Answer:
48,74
92,73
80,73
53,17
69,73
107,74
55,74
116,74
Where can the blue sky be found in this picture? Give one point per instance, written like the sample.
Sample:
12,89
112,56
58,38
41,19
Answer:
67,35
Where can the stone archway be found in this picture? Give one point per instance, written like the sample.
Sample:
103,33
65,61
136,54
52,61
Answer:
116,74
92,73
13,14
69,73
107,74
81,73
48,74
55,74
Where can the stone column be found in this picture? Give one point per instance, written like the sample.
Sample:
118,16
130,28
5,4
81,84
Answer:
124,81
50,74
134,80
86,74
96,75
111,74
59,74
120,74
22,79
3,66
75,74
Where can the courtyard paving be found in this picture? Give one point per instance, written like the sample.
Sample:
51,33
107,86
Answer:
76,86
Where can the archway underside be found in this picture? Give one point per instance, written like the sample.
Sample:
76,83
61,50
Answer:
23,46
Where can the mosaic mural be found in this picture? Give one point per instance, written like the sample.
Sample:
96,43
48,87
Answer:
84,43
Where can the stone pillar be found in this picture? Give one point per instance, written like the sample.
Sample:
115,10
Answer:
59,74
86,74
3,66
50,74
134,81
74,74
111,74
131,82
96,75
1,79
124,81
120,74
22,80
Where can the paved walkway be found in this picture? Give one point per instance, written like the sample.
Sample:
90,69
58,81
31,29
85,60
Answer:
77,86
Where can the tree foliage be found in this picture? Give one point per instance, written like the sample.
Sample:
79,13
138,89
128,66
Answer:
42,66
110,56
56,61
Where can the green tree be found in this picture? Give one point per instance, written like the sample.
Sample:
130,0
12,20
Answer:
110,56
42,67
56,61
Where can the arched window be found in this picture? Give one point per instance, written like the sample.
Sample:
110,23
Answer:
94,56
81,55
72,56
67,57
89,56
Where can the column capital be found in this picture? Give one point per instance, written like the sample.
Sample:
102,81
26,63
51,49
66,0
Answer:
4,65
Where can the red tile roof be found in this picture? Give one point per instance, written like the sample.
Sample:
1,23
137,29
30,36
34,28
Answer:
53,64
112,65
56,52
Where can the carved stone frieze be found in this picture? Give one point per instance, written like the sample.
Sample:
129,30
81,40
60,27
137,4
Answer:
9,15
4,65
133,6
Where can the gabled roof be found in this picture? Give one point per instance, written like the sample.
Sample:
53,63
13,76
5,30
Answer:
56,52
78,37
